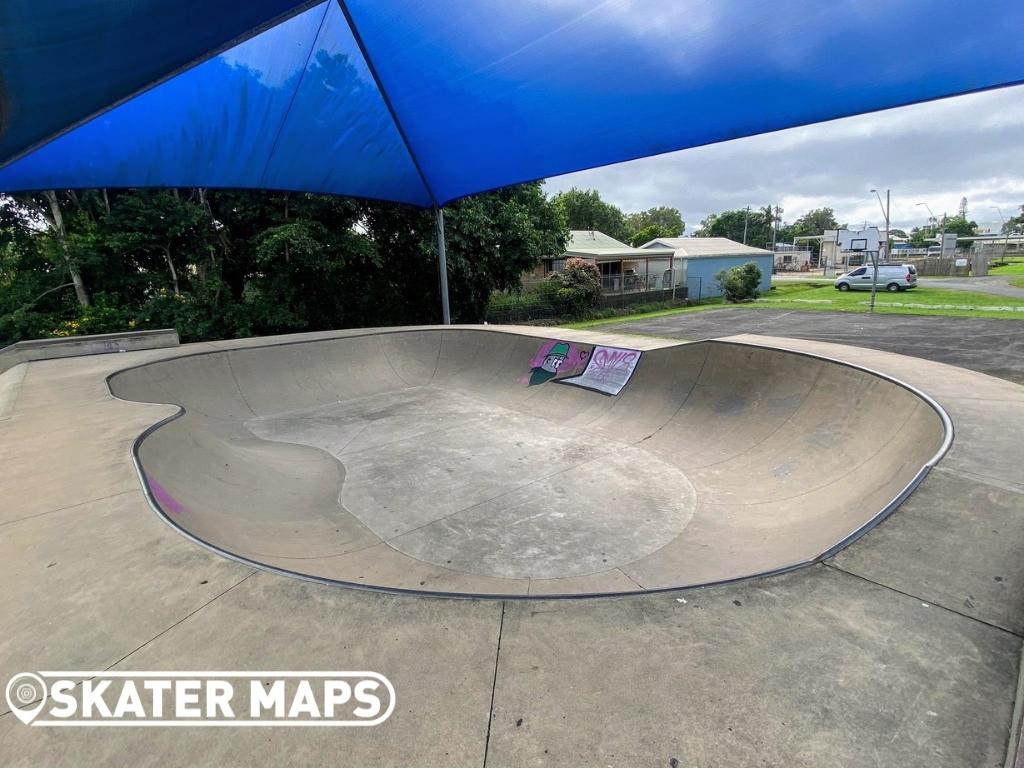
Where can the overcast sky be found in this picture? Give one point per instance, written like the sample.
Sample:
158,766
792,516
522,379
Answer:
937,152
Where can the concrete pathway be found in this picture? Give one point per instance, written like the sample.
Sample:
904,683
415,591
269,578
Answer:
902,650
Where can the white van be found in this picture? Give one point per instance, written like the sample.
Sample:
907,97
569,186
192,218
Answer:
891,277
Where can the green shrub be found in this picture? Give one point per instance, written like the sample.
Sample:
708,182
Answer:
576,290
105,315
740,283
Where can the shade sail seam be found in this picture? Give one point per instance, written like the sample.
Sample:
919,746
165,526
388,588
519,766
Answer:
227,45
295,95
387,102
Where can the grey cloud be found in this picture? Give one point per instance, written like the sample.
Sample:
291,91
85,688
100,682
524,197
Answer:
935,152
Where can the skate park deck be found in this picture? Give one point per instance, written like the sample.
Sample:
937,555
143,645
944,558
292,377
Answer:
901,649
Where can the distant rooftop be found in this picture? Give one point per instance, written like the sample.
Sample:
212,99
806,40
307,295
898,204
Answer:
592,243
705,247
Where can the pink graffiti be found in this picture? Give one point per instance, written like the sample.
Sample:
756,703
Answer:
575,360
167,502
612,363
614,358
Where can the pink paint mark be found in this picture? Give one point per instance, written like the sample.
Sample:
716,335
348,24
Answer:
167,501
575,359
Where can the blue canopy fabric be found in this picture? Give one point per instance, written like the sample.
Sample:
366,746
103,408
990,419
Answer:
426,102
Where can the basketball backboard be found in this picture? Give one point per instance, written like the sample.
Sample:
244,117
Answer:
858,239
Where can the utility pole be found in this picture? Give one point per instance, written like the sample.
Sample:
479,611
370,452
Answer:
775,226
746,218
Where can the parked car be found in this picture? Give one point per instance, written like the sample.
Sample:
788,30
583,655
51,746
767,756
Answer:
891,277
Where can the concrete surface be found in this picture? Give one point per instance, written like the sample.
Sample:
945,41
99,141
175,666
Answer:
73,346
991,346
452,473
870,659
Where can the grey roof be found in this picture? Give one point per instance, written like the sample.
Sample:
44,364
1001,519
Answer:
705,247
598,245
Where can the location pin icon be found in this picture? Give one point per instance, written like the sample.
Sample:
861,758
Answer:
22,690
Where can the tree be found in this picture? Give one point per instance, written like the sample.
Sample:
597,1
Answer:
731,224
650,232
961,226
59,234
491,239
585,210
667,222
222,263
160,225
811,224
1014,223
921,236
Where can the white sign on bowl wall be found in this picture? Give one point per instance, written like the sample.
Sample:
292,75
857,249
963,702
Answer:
608,370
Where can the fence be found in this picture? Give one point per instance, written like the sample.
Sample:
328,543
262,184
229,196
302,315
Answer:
629,283
529,306
936,266
793,261
927,266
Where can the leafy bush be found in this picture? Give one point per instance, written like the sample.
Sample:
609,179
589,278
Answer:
104,316
740,283
576,290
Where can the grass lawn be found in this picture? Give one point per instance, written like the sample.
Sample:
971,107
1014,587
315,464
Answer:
1014,267
822,297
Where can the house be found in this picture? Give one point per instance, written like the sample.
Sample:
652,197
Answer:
699,259
791,258
623,269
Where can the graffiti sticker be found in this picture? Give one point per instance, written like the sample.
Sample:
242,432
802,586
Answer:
556,359
608,370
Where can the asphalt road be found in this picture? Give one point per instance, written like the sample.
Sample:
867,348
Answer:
995,347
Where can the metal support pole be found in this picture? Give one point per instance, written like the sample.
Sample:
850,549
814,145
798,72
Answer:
874,281
885,212
442,266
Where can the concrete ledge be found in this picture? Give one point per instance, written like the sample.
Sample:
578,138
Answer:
74,346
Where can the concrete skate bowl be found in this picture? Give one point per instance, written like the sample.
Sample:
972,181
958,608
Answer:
453,461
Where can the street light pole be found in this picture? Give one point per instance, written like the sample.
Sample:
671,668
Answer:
931,216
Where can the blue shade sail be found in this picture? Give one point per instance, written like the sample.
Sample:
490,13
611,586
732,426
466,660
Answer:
63,60
426,102
292,108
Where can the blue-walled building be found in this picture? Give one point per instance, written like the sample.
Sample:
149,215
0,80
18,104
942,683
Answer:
699,259
690,263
